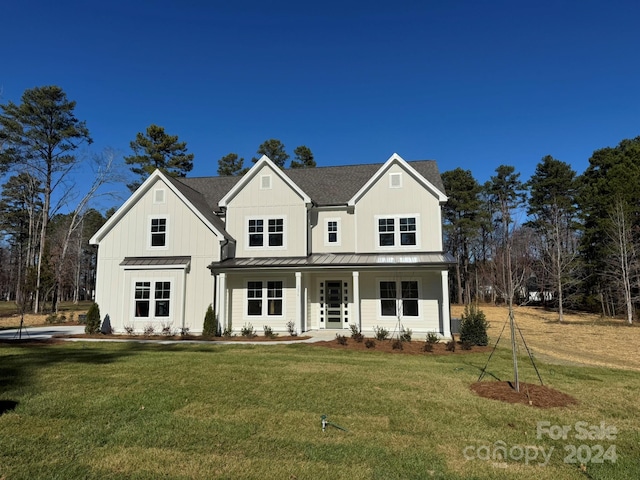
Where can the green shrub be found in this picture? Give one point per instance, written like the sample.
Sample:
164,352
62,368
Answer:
427,347
397,344
370,343
473,327
432,338
248,331
356,334
451,346
291,328
210,327
341,339
381,333
93,319
268,332
406,334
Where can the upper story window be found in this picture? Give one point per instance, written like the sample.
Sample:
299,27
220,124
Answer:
332,231
159,196
397,231
266,232
395,180
158,232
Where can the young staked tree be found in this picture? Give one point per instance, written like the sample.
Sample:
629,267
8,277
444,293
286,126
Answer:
506,194
553,212
41,134
462,217
155,149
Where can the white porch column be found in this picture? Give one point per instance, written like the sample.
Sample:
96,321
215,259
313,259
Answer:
299,302
222,301
356,299
445,307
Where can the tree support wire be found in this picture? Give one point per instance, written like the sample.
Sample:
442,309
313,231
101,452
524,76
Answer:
535,367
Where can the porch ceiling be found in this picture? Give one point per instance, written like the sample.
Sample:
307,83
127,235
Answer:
331,260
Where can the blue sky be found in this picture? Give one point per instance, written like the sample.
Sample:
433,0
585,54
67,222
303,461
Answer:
471,84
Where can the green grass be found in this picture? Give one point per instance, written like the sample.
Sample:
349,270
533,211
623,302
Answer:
99,410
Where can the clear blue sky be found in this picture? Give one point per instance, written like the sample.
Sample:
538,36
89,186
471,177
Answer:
471,84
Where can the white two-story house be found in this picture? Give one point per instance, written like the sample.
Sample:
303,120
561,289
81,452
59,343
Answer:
323,248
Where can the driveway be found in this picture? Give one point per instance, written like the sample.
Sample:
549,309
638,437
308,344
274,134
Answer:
40,333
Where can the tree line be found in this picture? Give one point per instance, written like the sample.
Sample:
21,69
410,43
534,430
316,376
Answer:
46,219
562,239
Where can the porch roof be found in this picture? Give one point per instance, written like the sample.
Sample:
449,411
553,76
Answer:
336,260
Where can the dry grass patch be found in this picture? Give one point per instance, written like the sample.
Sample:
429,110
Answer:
582,339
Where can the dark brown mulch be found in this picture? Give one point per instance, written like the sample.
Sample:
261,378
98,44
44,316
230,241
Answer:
415,347
530,394
236,338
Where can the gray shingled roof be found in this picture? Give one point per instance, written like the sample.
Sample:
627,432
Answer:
325,185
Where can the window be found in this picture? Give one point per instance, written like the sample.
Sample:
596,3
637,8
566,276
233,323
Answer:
399,298
395,180
142,294
271,290
158,195
265,182
276,232
158,232
161,299
269,237
332,231
397,231
254,298
408,231
256,230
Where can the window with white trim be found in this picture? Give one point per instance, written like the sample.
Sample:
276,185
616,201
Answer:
159,298
266,232
272,291
399,298
332,231
397,231
158,232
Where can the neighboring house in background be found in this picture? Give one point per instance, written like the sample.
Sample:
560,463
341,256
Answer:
324,248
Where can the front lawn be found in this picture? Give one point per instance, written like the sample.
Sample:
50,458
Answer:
98,410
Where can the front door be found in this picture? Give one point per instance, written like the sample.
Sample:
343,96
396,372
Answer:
334,304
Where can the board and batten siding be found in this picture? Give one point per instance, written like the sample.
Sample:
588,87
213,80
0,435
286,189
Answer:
410,198
129,237
279,200
346,234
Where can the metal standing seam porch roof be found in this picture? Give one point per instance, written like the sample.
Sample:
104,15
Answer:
337,260
176,261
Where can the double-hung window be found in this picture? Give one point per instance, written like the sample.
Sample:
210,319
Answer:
158,232
397,231
399,298
332,232
266,232
145,297
272,291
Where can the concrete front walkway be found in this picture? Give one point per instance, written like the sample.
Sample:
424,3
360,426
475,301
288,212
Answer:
61,331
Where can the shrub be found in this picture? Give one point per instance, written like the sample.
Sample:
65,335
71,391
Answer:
405,335
381,333
432,338
451,346
184,331
210,326
397,344
370,343
106,328
268,332
427,347
341,339
473,327
227,332
166,329
291,328
129,329
93,319
148,330
466,345
356,334
248,331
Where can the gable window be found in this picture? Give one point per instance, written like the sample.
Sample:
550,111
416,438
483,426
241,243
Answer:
144,299
158,232
399,298
332,231
397,231
266,232
272,291
395,180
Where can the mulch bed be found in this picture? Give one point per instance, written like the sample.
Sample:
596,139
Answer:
530,394
414,347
